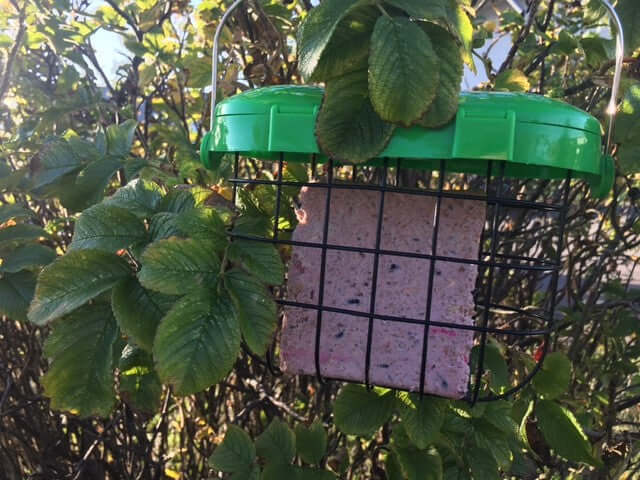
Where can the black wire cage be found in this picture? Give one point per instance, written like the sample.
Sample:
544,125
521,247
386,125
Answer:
506,165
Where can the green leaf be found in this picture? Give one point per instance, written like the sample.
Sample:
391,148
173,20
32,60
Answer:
553,378
359,411
203,223
493,440
177,266
422,418
419,464
403,71
348,48
317,30
563,433
254,474
512,80
493,362
348,129
88,187
311,443
21,232
461,27
74,279
280,471
277,444
566,44
197,342
258,258
482,464
120,138
445,104
26,257
80,377
138,197
595,50
139,382
236,453
139,311
11,211
419,9
498,414
392,467
16,293
629,13
108,228
164,225
255,309
177,201
56,160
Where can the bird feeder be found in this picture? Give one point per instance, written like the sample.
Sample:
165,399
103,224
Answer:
397,266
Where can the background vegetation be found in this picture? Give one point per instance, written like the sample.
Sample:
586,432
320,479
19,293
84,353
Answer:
72,135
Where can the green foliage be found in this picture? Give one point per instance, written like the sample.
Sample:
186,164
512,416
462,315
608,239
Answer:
563,433
630,16
396,82
276,446
553,379
80,347
139,383
359,411
197,342
512,80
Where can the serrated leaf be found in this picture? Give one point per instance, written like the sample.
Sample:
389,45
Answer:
494,363
87,188
177,201
311,443
419,9
482,464
348,129
177,266
358,411
494,441
22,232
139,311
595,51
498,414
197,342
445,104
512,80
317,30
553,378
26,256
11,211
348,48
139,382
629,13
203,223
236,453
16,293
80,377
461,26
255,308
563,433
56,160
260,259
277,444
120,138
419,464
422,418
403,71
74,279
164,225
138,197
108,228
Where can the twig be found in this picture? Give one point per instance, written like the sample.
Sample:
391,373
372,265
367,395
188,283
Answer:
8,71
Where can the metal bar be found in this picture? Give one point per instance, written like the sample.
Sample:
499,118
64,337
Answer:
432,271
495,224
415,321
505,202
276,223
374,279
323,265
545,267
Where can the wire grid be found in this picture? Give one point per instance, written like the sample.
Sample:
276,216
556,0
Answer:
542,265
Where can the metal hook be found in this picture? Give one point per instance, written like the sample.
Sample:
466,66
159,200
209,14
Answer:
615,89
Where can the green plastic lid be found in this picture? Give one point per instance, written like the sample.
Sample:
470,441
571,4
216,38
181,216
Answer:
536,136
